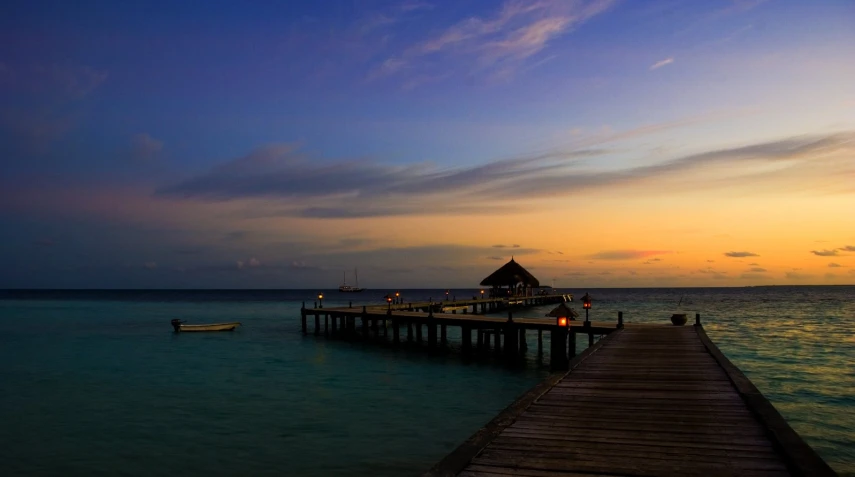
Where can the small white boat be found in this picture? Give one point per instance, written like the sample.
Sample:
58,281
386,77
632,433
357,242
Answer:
180,326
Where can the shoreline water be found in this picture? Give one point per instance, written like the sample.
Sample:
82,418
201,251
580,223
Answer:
108,373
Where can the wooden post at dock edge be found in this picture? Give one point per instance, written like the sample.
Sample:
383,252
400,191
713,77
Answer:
572,343
620,319
697,319
557,351
540,342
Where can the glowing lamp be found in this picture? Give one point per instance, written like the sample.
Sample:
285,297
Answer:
562,321
586,304
321,300
389,301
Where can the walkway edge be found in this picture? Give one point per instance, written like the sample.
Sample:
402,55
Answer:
459,458
800,457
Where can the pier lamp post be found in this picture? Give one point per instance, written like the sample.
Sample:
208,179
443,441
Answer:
446,295
397,297
389,301
321,300
482,294
562,321
586,304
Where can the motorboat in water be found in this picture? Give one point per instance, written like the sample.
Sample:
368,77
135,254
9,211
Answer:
182,327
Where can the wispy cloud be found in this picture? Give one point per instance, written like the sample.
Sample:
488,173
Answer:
740,254
848,248
825,253
505,39
757,269
660,64
314,187
834,265
626,254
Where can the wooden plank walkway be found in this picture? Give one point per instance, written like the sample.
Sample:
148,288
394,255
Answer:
644,401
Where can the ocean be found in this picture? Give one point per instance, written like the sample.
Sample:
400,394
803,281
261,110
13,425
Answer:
96,382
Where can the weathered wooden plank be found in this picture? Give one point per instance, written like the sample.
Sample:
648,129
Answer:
608,448
639,458
491,471
637,468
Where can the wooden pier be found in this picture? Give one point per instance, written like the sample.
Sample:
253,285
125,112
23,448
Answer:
504,336
657,400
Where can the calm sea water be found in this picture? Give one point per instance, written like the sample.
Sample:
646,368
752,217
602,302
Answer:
96,383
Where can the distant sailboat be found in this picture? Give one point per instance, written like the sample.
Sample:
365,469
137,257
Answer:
347,288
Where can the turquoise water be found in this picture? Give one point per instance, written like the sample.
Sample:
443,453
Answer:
97,384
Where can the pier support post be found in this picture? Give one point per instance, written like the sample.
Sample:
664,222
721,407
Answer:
333,323
497,347
479,342
511,340
396,332
317,324
697,319
557,352
540,342
326,324
364,323
303,317
409,331
523,346
466,335
419,332
443,337
620,319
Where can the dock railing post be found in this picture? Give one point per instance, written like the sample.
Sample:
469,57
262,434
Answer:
557,351
620,319
697,319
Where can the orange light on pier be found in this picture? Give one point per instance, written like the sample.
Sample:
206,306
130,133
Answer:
562,321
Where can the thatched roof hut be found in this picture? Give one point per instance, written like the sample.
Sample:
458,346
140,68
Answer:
513,276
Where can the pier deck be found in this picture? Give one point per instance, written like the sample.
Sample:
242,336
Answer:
644,401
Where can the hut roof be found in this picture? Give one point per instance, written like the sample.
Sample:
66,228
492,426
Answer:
563,310
510,274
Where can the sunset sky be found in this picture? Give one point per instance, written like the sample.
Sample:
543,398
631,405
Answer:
277,144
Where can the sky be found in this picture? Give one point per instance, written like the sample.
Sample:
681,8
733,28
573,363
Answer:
600,143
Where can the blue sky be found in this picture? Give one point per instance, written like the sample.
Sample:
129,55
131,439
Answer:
159,145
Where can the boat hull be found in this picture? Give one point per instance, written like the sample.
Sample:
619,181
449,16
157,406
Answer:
210,327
